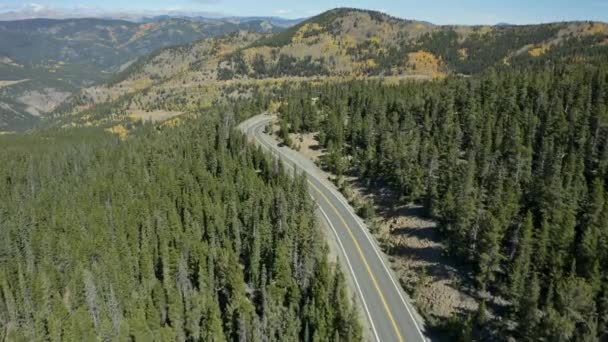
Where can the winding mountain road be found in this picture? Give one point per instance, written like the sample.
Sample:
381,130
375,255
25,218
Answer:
387,309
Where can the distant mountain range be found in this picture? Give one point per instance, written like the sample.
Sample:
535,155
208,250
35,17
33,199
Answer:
276,21
44,61
112,67
338,44
36,11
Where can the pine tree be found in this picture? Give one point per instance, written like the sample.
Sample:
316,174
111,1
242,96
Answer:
529,315
521,266
591,226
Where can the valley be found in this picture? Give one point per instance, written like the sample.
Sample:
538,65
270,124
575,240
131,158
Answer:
59,57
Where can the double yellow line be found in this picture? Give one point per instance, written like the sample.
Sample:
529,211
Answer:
369,271
360,251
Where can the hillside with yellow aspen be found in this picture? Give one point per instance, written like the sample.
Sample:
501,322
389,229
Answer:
339,44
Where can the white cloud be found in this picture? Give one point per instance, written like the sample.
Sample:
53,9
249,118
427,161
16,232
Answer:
283,11
206,1
36,7
174,9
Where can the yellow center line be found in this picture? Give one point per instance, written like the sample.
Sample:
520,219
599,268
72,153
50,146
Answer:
369,271
360,251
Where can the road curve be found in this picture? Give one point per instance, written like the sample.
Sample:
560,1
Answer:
386,307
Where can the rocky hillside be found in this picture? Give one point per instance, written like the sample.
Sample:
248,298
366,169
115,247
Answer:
336,44
52,59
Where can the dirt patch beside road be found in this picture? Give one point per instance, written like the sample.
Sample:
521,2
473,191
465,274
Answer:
410,240
413,244
307,145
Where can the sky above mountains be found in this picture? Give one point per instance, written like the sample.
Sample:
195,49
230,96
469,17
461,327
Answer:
436,11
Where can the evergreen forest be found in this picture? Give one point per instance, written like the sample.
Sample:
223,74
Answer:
175,234
512,164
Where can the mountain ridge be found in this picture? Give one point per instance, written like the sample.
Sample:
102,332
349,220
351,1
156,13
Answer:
347,42
343,42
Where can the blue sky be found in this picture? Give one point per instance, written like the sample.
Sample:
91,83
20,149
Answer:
436,11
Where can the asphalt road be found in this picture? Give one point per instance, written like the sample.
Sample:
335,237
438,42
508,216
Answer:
386,307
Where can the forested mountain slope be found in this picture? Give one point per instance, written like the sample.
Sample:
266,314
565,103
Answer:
336,44
186,66
514,167
357,42
177,234
172,81
103,43
55,58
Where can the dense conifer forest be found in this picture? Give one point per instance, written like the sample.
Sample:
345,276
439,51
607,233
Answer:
176,234
184,231
512,164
